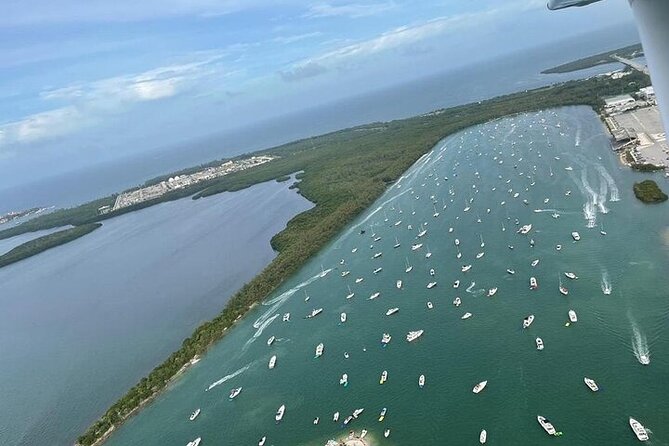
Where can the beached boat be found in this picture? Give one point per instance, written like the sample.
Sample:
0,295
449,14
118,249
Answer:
592,385
540,343
638,430
319,350
546,425
528,321
480,386
272,362
194,415
413,335
392,311
279,413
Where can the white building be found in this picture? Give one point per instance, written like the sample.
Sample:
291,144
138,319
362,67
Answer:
617,104
647,93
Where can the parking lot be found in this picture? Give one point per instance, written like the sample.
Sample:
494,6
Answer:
647,123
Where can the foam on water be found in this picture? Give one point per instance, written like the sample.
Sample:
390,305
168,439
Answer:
615,194
228,377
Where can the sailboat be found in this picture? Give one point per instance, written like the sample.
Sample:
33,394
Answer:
482,242
428,254
601,229
397,243
350,293
408,267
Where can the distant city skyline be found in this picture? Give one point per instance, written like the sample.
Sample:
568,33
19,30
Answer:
88,82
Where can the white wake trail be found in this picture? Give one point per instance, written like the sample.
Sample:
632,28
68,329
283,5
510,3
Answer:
228,377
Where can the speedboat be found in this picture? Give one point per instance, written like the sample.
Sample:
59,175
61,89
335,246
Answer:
548,427
377,255
483,436
456,284
416,246
195,442
272,362
466,316
335,417
357,412
480,254
374,295
195,414
270,341
343,381
492,291
576,236
359,279
413,335
377,270
572,316
638,430
571,276
382,415
392,311
457,301
510,271
286,317
319,350
384,377
398,284
466,268
385,339
429,305
528,321
342,317
386,433
431,285
540,344
421,381
235,392
345,273
644,359
315,312
280,412
591,384
480,386
534,263
533,283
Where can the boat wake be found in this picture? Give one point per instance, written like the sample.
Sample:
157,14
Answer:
601,198
639,343
228,377
470,287
615,194
589,208
606,283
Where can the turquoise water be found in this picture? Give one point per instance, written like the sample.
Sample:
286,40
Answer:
517,153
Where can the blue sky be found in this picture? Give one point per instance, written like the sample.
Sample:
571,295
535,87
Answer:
87,81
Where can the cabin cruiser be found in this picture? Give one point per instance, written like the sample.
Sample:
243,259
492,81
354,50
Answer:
378,270
235,392
456,284
315,312
483,436
319,350
374,295
344,382
466,316
533,283
540,343
342,317
280,412
195,442
571,276
528,321
286,317
466,268
195,414
429,305
572,316
392,311
413,335
431,285
385,339
492,291
548,427
638,430
382,415
457,301
534,263
591,384
377,255
384,377
272,362
576,236
270,341
480,386
421,381
510,271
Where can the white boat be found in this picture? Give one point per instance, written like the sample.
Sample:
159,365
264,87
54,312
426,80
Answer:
533,283
359,279
481,236
363,433
270,341
548,427
421,381
540,343
571,276
344,382
195,442
480,254
416,246
350,293
382,415
638,430
317,420
345,273
466,268
413,335
431,285
398,284
377,270
568,168
377,255
422,231
558,247
348,419
279,413
644,359
466,316
286,317
385,339
262,441
408,267
335,417
591,384
483,436
525,229
384,377
315,312
492,291
195,414
272,362
374,295
235,392
480,386
386,433
429,305
319,350
534,263
562,288
342,317
528,321
357,412
457,242
397,243
432,271
572,316
510,271
392,311
457,301
576,236
428,254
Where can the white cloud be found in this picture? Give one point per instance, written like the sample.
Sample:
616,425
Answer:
48,124
285,40
352,10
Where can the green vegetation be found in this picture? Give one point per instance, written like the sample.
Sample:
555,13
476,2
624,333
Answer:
283,178
649,192
40,244
627,52
646,167
344,172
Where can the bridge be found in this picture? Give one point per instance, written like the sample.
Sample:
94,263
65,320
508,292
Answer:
636,65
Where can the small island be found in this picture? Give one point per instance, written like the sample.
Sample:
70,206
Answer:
649,192
628,52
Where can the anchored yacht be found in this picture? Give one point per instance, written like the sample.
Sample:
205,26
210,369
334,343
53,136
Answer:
413,335
638,429
480,386
279,413
591,384
195,414
319,350
392,311
528,321
540,344
272,362
548,427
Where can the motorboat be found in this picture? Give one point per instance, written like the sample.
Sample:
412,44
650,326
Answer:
525,229
511,271
408,267
540,343
385,339
195,414
363,433
374,295
315,312
392,311
428,254
644,359
377,270
386,433
572,316
382,415
483,436
481,236
591,384
279,413
350,293
286,317
533,283
335,417
558,247
421,381
317,420
195,442
432,271
429,305
272,362
456,284
345,273
563,289
416,246
235,392
359,279
348,419
576,236
638,430
431,285
397,243
342,317
480,386
466,316
534,263
357,412
546,425
270,341
384,377
571,276
377,255
457,242
466,268
492,291
413,335
480,254
457,301
343,381
398,284
528,321
319,350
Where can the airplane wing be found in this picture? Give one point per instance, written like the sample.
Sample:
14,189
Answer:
560,4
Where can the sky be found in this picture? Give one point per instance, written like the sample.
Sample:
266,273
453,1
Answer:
84,82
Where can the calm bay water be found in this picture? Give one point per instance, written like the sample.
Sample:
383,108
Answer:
486,164
83,322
